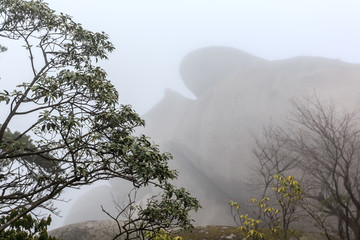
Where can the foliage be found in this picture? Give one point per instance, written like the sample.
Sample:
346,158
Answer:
25,228
75,131
232,232
162,213
250,228
174,205
289,196
162,235
277,216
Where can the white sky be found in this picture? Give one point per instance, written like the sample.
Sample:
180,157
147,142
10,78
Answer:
152,36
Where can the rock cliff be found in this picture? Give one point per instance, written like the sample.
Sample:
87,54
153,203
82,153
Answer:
237,94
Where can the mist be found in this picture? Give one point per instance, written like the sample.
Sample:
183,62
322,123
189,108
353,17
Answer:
153,39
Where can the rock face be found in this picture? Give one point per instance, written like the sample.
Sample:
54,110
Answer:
212,137
238,94
104,230
203,68
91,230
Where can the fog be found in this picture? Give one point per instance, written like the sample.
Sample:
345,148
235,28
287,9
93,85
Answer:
153,37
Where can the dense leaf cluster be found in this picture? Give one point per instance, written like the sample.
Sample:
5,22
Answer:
26,228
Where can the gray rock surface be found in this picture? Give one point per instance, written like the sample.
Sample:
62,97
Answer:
211,137
238,94
90,230
94,230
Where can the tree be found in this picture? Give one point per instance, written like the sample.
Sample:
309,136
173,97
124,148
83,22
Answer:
276,214
162,236
26,227
75,131
321,146
158,219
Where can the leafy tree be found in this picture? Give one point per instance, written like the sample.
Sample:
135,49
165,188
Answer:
26,227
75,131
161,216
275,215
162,235
321,146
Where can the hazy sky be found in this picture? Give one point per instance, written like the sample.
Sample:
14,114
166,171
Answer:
151,37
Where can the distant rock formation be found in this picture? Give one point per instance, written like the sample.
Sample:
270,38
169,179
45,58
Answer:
203,68
102,230
211,137
90,230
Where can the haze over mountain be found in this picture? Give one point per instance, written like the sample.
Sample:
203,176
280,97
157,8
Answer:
211,137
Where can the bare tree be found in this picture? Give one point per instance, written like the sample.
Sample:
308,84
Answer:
320,146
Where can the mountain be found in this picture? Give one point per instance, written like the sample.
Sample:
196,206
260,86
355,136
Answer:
89,230
105,230
237,94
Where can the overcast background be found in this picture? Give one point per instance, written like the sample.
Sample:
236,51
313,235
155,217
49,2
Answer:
151,37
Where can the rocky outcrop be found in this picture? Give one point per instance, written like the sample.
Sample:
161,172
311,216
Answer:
90,230
103,230
203,68
212,137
